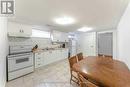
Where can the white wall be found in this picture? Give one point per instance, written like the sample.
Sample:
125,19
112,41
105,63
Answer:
124,37
3,50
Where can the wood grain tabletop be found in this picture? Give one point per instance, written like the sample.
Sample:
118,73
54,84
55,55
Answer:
105,71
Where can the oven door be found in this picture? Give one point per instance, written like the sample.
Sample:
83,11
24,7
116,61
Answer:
19,61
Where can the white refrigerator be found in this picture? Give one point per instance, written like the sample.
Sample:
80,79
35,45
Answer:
72,47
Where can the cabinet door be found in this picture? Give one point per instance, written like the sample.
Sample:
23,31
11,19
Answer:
63,37
64,53
27,30
47,57
56,36
58,55
19,30
14,29
66,37
59,36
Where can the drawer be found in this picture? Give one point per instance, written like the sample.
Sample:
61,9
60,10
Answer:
21,72
38,54
38,64
38,61
38,58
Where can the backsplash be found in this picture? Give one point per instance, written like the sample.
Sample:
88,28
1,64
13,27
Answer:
41,42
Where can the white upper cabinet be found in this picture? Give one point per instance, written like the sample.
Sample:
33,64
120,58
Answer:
19,30
58,36
27,30
66,39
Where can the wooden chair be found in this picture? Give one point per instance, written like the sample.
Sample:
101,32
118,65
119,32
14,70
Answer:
72,61
80,56
84,82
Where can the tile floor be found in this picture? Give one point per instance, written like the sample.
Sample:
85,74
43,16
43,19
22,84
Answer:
53,75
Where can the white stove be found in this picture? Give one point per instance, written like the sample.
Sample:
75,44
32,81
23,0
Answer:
20,61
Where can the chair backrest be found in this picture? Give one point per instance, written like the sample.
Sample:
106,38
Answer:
72,61
84,82
80,56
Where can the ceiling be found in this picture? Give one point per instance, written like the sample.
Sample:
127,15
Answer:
99,14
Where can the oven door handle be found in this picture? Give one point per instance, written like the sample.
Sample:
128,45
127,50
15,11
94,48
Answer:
14,58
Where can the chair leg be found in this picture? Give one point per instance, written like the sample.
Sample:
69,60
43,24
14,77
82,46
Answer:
71,76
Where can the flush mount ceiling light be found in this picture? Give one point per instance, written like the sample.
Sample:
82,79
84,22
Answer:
85,29
64,20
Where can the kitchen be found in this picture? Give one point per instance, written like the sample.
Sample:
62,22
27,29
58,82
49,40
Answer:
37,47
47,48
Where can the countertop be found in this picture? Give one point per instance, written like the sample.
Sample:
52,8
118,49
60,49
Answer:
44,50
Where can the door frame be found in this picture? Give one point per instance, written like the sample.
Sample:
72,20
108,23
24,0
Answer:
114,35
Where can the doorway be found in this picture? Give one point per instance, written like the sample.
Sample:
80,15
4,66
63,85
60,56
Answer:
105,44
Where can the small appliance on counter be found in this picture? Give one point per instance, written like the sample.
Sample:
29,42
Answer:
19,61
63,45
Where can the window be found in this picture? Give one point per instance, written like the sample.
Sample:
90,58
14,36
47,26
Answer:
41,34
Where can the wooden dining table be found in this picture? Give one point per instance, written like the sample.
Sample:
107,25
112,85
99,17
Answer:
106,72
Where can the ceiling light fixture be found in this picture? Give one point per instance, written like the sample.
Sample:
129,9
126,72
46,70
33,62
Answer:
64,20
85,29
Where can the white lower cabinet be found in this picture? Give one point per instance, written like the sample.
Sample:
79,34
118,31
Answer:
51,56
48,57
65,53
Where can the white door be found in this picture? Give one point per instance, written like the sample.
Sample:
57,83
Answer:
87,44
